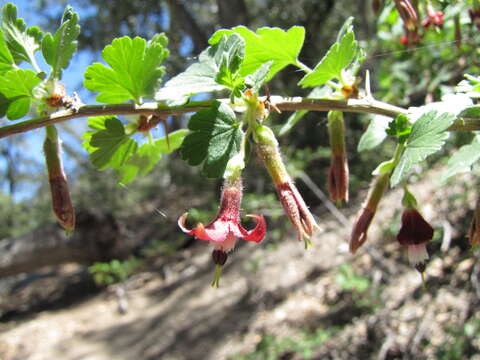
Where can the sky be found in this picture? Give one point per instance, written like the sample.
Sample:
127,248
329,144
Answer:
72,79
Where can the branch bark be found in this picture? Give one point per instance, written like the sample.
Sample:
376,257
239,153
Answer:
159,109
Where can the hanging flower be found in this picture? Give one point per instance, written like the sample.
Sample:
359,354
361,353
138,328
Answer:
224,231
415,233
338,172
226,228
291,200
367,212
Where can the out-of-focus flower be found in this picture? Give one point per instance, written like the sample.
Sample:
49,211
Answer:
415,233
434,18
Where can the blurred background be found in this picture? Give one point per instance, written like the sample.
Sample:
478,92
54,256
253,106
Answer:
130,285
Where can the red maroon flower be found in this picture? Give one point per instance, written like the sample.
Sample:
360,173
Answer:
360,229
415,233
226,228
338,179
367,212
434,18
297,211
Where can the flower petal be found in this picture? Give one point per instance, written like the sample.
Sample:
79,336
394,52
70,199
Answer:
181,223
258,233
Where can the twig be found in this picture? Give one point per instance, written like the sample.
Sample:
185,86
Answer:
162,110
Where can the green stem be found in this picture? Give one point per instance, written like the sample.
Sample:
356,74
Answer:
302,66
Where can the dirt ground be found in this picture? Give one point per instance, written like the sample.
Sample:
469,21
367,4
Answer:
277,289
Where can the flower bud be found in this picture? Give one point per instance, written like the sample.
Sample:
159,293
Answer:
61,202
367,212
338,172
291,200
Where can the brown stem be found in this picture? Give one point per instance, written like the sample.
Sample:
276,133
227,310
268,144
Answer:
365,105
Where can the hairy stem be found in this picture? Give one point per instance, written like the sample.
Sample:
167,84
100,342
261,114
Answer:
364,105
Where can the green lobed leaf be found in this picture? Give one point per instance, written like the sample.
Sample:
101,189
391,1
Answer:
59,48
6,58
17,89
214,139
463,159
427,137
110,146
267,44
216,69
338,57
22,42
375,133
148,154
134,71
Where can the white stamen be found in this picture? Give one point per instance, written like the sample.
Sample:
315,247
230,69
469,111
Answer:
417,253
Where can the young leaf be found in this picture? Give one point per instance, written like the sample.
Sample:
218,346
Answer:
59,48
463,159
338,57
16,87
375,133
259,77
427,137
216,69
134,70
214,139
110,146
267,44
6,58
148,154
21,41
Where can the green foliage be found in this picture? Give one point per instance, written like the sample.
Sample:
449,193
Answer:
17,89
217,69
135,70
6,58
58,49
463,159
400,127
148,155
267,44
214,139
304,344
461,342
374,134
22,41
470,86
427,137
331,66
108,273
259,77
110,146
349,281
